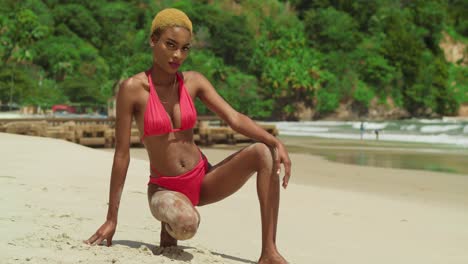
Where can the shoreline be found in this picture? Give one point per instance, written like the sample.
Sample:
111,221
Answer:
379,154
384,154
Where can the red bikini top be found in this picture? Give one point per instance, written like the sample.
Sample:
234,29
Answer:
157,120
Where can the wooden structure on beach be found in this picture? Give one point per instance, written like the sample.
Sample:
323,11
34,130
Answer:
100,132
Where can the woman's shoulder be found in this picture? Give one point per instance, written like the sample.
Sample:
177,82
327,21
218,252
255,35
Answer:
193,78
135,82
191,74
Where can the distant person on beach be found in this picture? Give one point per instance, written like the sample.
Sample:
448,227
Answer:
362,130
376,132
161,102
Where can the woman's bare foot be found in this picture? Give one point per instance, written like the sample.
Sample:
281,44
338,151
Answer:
272,259
166,240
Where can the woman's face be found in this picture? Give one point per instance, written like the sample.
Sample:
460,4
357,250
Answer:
171,48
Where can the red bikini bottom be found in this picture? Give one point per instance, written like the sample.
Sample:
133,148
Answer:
188,183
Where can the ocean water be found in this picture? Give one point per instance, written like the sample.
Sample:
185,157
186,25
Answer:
434,145
439,131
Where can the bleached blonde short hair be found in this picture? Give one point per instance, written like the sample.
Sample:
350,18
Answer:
170,17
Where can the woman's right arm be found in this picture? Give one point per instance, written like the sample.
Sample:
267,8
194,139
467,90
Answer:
123,124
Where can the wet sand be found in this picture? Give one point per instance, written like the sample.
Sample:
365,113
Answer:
384,154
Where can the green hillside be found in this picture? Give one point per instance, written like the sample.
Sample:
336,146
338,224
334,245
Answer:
269,58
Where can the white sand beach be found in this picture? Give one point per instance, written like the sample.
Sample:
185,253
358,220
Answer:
53,195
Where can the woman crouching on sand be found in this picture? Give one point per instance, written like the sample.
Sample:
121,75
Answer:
161,101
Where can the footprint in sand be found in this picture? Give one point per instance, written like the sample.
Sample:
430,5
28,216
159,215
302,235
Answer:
83,219
78,188
8,177
145,249
173,253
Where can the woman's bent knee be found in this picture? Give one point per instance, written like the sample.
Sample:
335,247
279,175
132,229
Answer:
166,205
186,225
263,154
177,212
